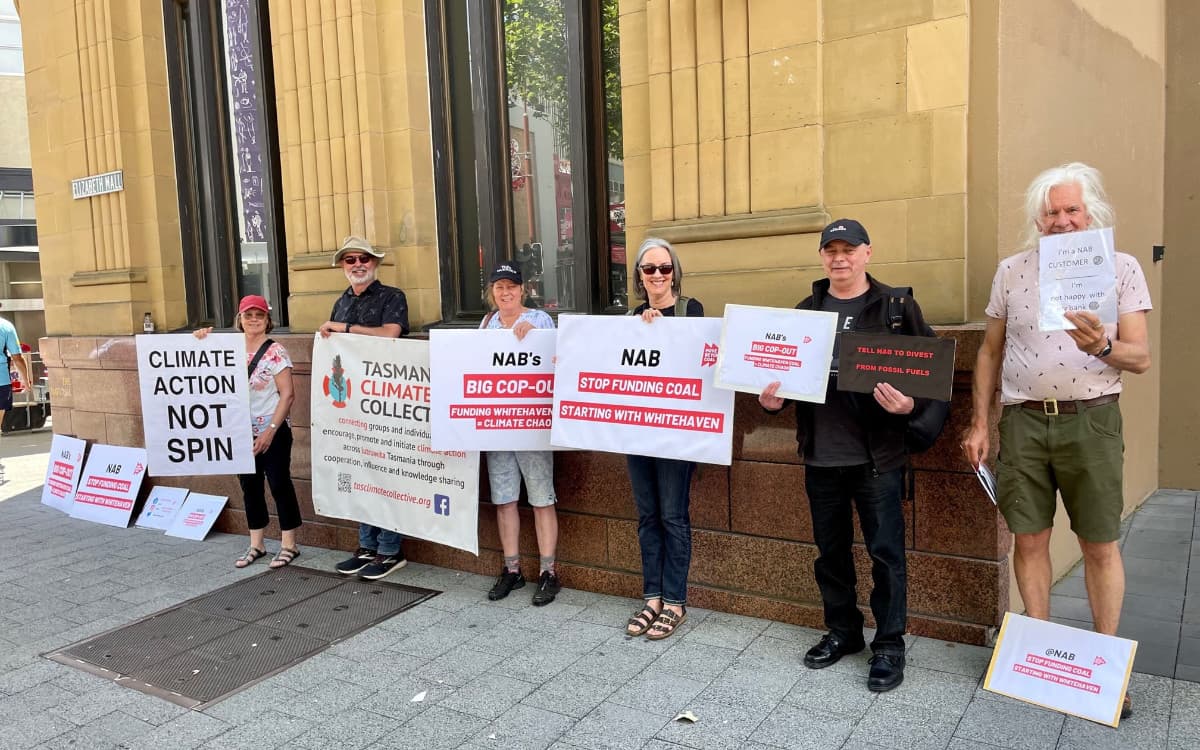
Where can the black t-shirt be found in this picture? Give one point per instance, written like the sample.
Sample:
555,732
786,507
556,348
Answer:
694,309
838,438
378,304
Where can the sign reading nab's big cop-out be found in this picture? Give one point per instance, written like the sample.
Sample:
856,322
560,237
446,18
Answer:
492,391
195,404
626,386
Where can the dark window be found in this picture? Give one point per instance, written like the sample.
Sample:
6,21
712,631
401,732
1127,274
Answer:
226,156
522,102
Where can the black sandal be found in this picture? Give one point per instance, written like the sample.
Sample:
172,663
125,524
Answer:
285,557
252,553
665,624
641,622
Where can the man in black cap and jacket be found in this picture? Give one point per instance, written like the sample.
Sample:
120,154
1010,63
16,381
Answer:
854,452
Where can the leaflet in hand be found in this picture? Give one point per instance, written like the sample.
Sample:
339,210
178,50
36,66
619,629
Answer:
988,480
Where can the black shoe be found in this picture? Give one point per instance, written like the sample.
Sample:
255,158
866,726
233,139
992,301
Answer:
1127,707
548,588
361,559
829,650
506,583
887,671
382,566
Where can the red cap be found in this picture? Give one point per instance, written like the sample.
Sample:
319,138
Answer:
253,302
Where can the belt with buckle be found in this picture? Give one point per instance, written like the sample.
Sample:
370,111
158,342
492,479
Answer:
1052,407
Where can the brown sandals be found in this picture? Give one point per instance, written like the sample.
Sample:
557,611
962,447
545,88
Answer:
665,624
252,553
285,557
641,622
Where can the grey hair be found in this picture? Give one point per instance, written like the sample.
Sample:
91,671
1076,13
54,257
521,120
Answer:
647,245
1091,185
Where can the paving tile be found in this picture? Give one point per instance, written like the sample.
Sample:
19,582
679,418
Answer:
832,692
1156,523
614,727
943,656
718,727
1187,672
658,692
957,743
1155,633
537,663
524,727
1154,607
268,729
905,726
1071,608
748,687
728,631
329,699
189,730
613,664
943,692
580,636
488,696
458,667
1145,730
1070,586
800,727
437,727
695,659
350,730
396,701
45,696
1156,568
110,730
1184,731
1010,724
572,694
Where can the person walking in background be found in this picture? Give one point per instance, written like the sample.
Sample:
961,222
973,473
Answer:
271,397
1061,428
506,297
10,345
662,486
369,308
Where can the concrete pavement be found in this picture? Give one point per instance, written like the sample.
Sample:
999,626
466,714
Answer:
494,674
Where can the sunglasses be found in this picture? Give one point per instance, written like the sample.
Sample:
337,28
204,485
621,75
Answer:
666,269
351,260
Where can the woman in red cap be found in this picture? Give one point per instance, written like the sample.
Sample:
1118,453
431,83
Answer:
271,396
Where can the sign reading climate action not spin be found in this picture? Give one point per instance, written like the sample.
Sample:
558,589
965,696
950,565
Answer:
917,366
625,386
492,391
195,404
371,456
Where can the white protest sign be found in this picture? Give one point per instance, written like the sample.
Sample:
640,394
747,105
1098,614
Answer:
109,485
760,345
196,516
1078,672
625,386
161,507
371,457
62,472
491,391
195,404
1077,271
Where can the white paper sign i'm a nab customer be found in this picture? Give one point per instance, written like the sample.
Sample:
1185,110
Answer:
1074,671
1077,271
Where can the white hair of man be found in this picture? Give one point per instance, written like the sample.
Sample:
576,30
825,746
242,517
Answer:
1095,200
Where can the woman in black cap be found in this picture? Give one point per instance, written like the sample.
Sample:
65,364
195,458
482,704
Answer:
505,294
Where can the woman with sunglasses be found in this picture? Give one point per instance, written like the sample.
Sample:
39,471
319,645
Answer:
271,396
662,486
505,295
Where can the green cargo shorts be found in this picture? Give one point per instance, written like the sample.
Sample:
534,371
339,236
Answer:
1078,455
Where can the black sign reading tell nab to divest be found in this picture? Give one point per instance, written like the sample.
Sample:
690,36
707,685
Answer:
918,366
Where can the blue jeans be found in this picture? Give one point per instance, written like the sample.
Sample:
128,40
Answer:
831,490
662,493
384,542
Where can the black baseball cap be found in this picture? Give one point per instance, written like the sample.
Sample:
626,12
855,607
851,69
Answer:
845,229
505,270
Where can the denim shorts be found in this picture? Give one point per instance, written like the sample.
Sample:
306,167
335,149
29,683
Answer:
505,469
1079,456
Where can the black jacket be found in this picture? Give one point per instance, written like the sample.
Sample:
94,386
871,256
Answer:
888,435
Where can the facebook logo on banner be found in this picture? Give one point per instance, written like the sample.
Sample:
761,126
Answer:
441,505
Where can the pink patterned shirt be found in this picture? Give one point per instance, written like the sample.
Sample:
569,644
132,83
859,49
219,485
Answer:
1047,364
264,396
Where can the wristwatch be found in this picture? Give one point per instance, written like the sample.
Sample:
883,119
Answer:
347,328
272,426
1107,350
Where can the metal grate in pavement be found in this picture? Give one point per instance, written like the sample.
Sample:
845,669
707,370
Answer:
212,646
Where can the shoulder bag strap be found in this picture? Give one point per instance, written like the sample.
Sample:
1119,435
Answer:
258,356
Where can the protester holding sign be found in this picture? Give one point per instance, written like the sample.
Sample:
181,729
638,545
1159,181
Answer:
506,296
369,308
1060,431
854,450
662,486
271,397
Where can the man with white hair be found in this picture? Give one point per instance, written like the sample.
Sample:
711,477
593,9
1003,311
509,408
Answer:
1060,431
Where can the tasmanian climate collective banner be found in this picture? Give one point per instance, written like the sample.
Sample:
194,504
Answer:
371,455
195,404
492,391
626,386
